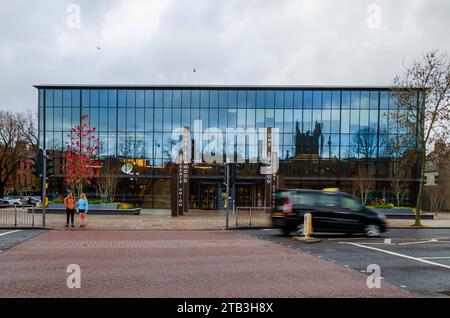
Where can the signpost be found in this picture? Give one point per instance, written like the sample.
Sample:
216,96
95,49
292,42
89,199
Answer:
183,174
271,173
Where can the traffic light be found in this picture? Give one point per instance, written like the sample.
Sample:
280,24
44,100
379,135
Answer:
50,163
39,162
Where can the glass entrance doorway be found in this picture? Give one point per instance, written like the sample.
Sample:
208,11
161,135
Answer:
208,196
244,195
204,195
250,194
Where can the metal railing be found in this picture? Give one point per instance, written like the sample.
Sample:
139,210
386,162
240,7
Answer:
18,217
252,217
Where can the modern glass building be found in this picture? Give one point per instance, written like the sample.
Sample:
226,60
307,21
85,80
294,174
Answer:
329,137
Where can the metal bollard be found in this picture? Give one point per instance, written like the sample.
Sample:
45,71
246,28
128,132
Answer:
307,225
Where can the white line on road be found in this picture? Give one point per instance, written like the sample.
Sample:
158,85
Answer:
389,242
10,232
399,255
419,242
436,257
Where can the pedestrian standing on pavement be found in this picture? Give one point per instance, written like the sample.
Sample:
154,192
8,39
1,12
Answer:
70,205
83,207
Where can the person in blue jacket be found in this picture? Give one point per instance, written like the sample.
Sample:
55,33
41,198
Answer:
83,207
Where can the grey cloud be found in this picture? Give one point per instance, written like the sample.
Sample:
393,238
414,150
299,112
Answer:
230,42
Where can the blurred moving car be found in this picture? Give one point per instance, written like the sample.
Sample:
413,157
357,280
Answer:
32,200
16,201
4,204
332,212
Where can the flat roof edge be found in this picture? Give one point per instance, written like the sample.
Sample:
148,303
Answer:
209,86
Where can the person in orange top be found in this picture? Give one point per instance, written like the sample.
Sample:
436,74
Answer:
70,204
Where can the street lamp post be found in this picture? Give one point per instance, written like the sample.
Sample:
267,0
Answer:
227,173
44,184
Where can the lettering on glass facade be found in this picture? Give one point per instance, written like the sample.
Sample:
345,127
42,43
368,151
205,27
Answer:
271,169
183,171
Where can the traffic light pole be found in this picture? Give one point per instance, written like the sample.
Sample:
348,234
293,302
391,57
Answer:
44,185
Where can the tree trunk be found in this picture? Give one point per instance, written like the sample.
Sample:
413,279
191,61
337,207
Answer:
419,195
397,196
2,187
79,188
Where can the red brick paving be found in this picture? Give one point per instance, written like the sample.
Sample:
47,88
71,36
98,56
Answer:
158,263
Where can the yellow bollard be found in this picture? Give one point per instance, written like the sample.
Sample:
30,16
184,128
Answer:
307,231
307,225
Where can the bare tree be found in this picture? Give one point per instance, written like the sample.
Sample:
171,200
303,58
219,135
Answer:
16,141
423,94
28,128
366,142
130,147
401,151
440,157
29,153
108,179
399,184
364,182
437,199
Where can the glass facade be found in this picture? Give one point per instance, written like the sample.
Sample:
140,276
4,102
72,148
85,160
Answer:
324,134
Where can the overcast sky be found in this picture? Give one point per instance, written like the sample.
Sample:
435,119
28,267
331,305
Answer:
321,42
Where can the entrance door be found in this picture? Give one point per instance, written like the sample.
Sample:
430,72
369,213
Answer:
244,195
208,196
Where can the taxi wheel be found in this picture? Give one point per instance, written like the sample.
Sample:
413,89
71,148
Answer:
372,230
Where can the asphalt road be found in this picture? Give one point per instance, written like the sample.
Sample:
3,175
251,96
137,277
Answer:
417,260
10,238
180,263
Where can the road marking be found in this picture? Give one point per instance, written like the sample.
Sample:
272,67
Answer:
399,255
10,232
419,242
346,238
436,257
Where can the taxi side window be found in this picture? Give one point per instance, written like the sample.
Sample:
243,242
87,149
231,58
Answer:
305,198
350,204
328,201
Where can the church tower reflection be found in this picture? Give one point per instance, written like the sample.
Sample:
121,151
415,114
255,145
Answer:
309,143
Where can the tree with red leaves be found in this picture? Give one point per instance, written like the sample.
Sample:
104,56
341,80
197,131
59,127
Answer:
81,163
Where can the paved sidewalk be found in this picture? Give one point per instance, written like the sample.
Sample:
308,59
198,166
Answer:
144,263
197,220
441,220
204,220
200,220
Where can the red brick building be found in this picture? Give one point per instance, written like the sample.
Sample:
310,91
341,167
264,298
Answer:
22,181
